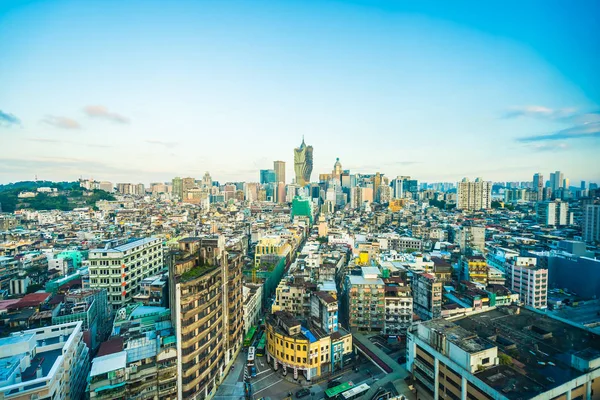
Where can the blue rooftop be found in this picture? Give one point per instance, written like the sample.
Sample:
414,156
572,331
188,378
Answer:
12,340
146,310
8,366
308,334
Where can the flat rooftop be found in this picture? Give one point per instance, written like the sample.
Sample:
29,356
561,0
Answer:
127,246
540,348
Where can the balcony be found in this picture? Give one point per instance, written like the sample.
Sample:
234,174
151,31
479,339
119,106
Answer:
423,380
425,368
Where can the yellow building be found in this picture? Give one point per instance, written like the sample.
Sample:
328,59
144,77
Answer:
396,205
271,245
477,269
308,352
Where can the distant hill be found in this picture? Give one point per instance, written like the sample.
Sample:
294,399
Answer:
68,196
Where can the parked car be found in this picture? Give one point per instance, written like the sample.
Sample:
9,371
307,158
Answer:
302,393
333,383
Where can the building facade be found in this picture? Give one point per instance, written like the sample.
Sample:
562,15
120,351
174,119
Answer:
398,307
473,196
44,363
307,351
206,304
427,295
279,168
303,163
120,266
591,223
529,281
365,298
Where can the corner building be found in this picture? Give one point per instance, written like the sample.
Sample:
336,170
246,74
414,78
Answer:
300,350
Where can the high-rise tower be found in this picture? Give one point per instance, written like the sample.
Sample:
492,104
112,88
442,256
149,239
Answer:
303,163
279,167
538,186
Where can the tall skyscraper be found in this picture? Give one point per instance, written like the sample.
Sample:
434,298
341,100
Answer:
337,170
187,184
538,185
206,180
303,163
279,167
474,195
557,182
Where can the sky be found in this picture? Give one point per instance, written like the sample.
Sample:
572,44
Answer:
142,91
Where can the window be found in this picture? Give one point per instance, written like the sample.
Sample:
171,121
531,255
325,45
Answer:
485,361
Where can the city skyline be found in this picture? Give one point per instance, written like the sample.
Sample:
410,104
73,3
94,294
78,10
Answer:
431,92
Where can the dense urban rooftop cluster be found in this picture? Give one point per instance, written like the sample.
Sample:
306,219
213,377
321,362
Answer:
490,289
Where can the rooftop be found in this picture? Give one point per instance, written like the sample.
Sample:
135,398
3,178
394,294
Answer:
540,349
196,272
45,360
110,362
127,246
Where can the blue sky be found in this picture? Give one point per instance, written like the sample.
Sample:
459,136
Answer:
147,90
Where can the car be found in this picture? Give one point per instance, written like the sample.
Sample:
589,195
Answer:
302,393
333,383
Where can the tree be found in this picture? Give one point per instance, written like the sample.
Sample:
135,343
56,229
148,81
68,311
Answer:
505,359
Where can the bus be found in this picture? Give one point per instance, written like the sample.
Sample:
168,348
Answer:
249,336
356,392
260,349
336,391
251,353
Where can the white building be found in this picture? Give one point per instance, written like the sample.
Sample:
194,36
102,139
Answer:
253,297
120,267
398,308
529,281
474,195
553,213
44,363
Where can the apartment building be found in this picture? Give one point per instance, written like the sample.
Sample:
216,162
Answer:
271,245
364,295
529,281
206,302
121,265
324,311
475,269
139,361
398,306
293,295
44,363
305,350
553,213
90,306
471,237
252,304
473,196
507,353
427,295
591,223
